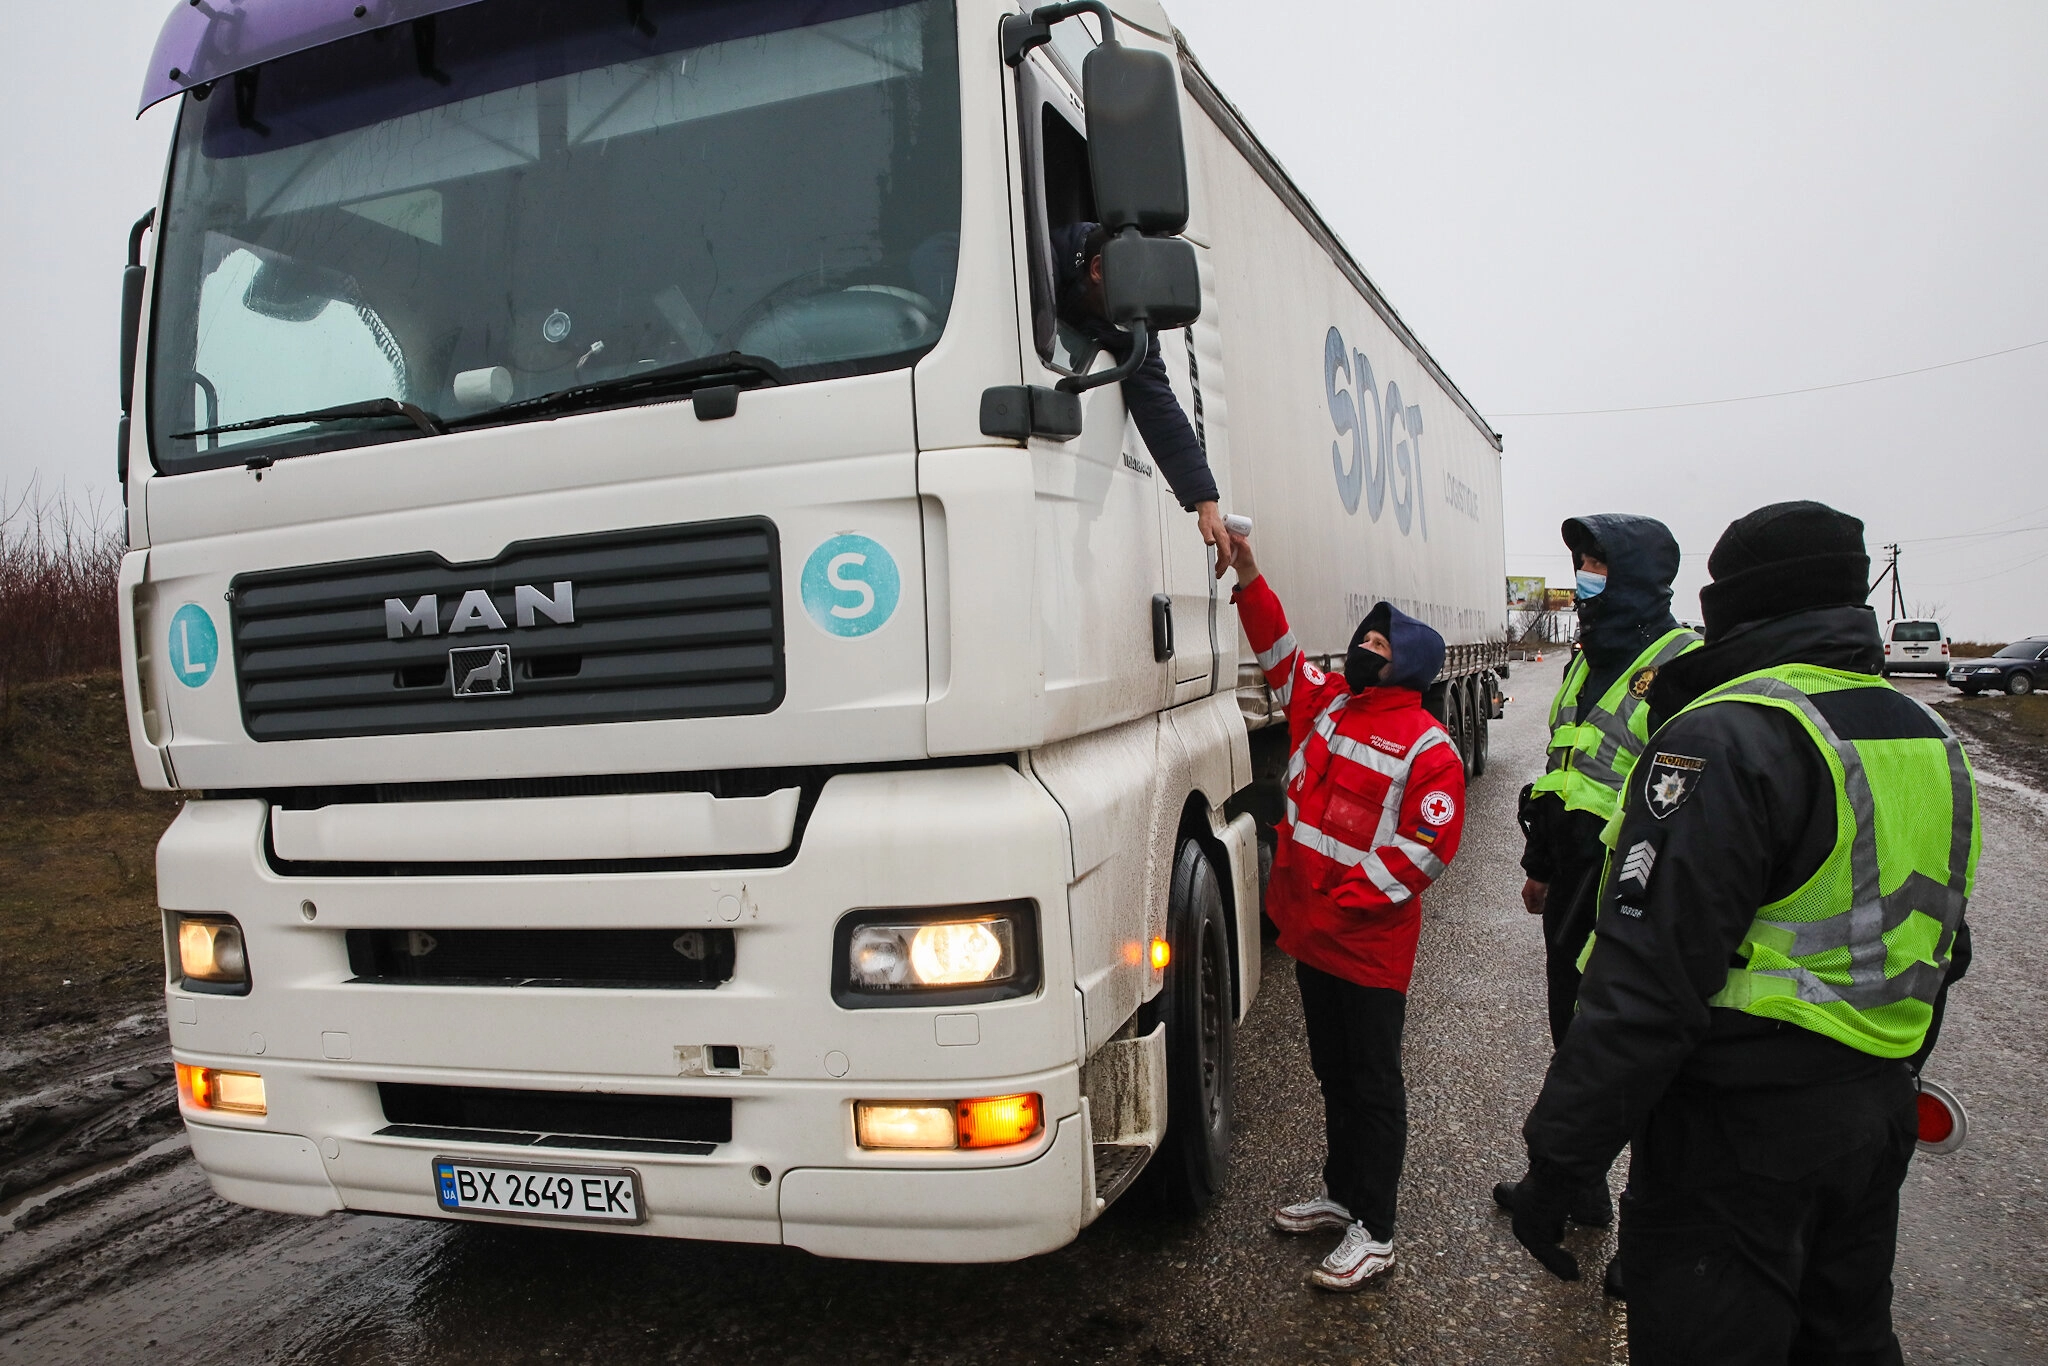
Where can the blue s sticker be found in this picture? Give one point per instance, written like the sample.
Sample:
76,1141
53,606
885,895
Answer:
851,586
194,645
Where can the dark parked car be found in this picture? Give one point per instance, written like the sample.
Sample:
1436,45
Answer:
2019,668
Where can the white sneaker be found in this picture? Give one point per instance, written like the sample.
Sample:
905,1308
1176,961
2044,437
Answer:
1357,1260
1306,1216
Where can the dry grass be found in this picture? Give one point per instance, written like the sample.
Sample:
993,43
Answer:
1974,649
60,565
79,926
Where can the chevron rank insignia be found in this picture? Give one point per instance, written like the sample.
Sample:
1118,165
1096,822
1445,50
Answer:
1671,779
1636,867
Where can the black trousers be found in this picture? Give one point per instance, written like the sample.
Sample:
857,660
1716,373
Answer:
1759,1225
1568,914
1354,1044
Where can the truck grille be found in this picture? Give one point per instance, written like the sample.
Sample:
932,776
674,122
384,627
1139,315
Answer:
661,959
556,1119
655,623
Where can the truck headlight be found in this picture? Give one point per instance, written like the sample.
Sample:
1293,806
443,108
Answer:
945,955
211,957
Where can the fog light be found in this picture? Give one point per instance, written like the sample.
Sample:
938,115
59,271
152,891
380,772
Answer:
210,1088
999,1121
210,951
884,1124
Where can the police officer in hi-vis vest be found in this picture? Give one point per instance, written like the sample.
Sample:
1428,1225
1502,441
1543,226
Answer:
1781,911
1599,723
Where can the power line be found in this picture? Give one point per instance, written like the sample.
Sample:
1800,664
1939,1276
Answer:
1780,393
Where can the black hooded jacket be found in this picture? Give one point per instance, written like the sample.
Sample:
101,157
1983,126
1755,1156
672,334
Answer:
1148,395
1758,820
1642,560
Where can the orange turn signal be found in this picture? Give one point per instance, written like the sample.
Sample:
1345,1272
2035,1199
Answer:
1162,953
999,1121
209,1088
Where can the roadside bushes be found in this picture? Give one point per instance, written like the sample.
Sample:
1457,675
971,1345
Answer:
60,566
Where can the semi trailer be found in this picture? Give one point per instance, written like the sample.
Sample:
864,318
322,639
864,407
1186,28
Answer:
697,713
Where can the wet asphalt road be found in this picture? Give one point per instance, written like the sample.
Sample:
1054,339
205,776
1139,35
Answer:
148,1267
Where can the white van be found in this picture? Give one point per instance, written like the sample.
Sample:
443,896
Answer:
1915,647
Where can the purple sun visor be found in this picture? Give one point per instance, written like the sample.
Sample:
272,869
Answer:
204,40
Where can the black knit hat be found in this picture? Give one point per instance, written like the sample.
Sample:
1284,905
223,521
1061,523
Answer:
1781,559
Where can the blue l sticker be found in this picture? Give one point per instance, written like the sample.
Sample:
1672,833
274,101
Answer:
851,586
195,645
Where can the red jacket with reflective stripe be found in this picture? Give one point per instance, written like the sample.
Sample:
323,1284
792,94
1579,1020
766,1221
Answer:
1375,810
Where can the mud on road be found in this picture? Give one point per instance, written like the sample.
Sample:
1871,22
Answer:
113,1249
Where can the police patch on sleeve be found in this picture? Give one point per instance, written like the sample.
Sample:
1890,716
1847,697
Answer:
1671,779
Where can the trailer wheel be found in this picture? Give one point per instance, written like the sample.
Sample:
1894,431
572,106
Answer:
1188,1172
1453,719
1482,723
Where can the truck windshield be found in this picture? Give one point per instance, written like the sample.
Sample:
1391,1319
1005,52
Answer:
520,197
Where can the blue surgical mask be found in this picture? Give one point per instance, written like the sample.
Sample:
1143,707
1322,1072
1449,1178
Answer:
1591,585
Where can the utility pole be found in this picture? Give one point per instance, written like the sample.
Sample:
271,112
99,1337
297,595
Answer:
1891,571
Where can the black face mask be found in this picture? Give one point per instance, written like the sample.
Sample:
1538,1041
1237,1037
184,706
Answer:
1363,667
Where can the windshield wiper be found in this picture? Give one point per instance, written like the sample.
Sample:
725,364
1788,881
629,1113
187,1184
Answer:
706,372
376,407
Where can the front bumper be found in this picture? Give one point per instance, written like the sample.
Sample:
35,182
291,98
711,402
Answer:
791,1171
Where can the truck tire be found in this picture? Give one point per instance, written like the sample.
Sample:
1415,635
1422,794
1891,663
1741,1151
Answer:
1482,721
1187,1173
1454,720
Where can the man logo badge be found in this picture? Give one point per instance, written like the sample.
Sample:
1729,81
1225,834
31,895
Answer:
482,671
1671,780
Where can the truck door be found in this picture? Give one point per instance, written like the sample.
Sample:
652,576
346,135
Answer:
1098,521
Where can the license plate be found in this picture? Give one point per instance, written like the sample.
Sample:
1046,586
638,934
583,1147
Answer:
606,1195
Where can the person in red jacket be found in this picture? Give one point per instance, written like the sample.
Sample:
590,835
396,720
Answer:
1375,809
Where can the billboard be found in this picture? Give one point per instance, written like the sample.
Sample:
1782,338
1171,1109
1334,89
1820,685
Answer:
1525,594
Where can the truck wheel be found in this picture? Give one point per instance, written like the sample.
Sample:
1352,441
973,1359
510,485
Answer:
1468,728
1454,721
1188,1171
1482,721
2019,685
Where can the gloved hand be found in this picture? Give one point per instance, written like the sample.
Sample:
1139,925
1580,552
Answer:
1538,1203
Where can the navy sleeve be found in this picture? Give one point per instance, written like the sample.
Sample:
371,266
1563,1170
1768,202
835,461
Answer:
1149,397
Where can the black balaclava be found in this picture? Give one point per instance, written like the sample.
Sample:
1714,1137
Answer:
1363,667
1642,560
1781,559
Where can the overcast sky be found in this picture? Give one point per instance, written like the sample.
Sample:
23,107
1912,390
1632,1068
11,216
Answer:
1576,206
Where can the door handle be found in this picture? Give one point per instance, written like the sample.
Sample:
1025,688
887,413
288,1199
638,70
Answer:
1162,627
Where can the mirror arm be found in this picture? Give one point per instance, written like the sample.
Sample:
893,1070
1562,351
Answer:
1141,347
142,225
1022,32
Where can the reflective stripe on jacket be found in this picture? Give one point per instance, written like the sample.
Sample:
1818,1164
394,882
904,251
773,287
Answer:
1859,951
1590,760
1375,807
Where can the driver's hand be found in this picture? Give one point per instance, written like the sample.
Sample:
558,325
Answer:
1210,519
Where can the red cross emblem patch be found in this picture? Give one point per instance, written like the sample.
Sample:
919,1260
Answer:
1438,808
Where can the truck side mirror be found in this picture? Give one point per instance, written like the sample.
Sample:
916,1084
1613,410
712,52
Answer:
1151,280
1135,147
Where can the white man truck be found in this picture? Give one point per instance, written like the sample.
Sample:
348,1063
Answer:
698,712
